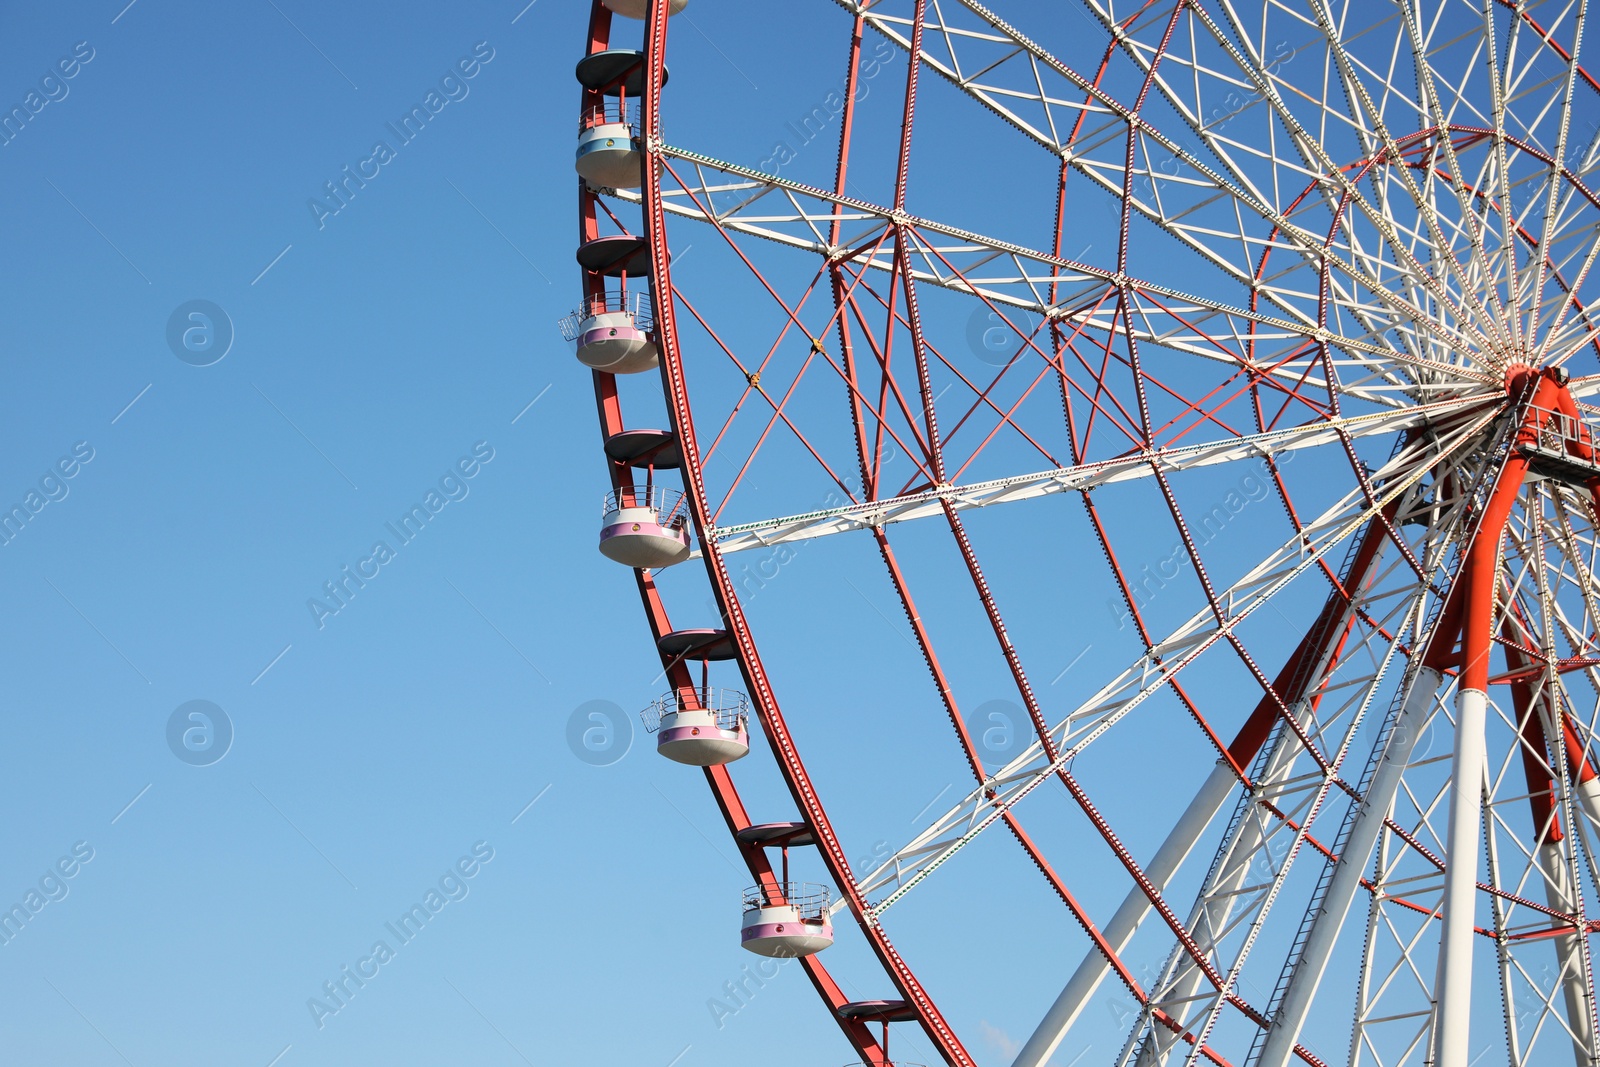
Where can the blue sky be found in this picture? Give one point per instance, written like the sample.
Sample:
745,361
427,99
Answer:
401,346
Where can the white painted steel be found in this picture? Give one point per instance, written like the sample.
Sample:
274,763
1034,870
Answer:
1415,709
743,537
1036,1051
1453,1026
1562,895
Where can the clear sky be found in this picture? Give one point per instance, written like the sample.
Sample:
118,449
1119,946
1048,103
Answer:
223,389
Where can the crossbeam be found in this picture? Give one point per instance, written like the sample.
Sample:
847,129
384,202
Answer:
823,522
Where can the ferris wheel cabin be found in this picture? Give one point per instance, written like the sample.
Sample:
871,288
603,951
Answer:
784,919
645,526
700,726
607,156
614,330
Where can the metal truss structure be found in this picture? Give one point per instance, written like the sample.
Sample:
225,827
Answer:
1346,244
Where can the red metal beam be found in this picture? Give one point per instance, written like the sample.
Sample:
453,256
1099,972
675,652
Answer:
763,697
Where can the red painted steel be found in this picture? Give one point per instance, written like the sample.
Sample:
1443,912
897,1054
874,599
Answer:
763,698
718,779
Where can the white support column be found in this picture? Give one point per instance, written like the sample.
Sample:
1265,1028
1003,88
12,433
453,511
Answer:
1569,951
1463,849
1352,864
1588,796
1120,930
1213,911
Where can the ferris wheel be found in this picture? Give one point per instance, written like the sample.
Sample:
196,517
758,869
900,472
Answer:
1294,363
